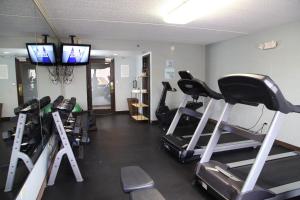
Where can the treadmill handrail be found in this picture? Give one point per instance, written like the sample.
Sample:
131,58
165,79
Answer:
255,89
195,87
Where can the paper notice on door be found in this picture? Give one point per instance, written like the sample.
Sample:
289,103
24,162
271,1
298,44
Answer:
3,71
124,71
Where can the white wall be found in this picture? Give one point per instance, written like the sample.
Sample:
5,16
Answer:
8,88
282,64
124,84
185,56
78,87
44,86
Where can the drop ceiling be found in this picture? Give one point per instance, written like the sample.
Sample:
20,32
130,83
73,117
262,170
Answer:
141,19
21,18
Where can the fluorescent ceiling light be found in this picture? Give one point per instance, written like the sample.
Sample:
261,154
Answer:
185,11
115,54
6,52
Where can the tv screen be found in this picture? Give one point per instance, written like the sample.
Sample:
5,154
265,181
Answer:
75,54
41,54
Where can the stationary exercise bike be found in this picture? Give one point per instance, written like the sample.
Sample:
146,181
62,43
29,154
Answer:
166,115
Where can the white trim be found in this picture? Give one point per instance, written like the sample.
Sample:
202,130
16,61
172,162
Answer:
35,179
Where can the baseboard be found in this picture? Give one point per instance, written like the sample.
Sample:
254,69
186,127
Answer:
287,145
4,119
122,112
85,111
154,122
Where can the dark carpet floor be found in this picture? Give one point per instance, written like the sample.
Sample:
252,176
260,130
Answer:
119,142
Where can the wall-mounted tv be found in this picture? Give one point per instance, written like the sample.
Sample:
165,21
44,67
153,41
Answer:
41,54
75,54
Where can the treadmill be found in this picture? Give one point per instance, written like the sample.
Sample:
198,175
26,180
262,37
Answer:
257,178
187,148
165,115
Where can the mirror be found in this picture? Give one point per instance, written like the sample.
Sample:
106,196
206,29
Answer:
22,88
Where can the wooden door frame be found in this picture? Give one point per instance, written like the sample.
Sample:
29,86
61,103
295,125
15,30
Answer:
149,55
89,85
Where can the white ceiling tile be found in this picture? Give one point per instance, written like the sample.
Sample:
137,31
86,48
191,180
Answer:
141,19
18,7
22,26
21,18
244,17
103,30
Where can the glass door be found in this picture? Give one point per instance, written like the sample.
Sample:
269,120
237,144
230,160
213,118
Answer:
101,86
26,81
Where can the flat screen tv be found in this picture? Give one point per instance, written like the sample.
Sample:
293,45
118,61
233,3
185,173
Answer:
75,54
41,54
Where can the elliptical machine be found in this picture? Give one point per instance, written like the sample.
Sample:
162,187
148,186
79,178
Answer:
163,112
166,115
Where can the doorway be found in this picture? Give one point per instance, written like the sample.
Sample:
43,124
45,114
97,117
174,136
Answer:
146,67
26,81
101,86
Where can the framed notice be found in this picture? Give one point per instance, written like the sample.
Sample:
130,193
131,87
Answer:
169,73
3,71
124,71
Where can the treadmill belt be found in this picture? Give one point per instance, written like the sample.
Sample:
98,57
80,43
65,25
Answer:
189,130
184,131
203,141
275,173
177,141
182,142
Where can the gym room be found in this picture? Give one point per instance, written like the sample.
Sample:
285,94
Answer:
149,100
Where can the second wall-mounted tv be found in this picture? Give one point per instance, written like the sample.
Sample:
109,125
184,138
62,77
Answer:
41,53
75,54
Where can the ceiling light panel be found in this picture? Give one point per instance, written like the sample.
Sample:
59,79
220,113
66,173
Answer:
185,11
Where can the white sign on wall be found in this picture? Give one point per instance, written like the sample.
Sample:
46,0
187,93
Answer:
169,70
3,71
169,73
169,63
124,71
